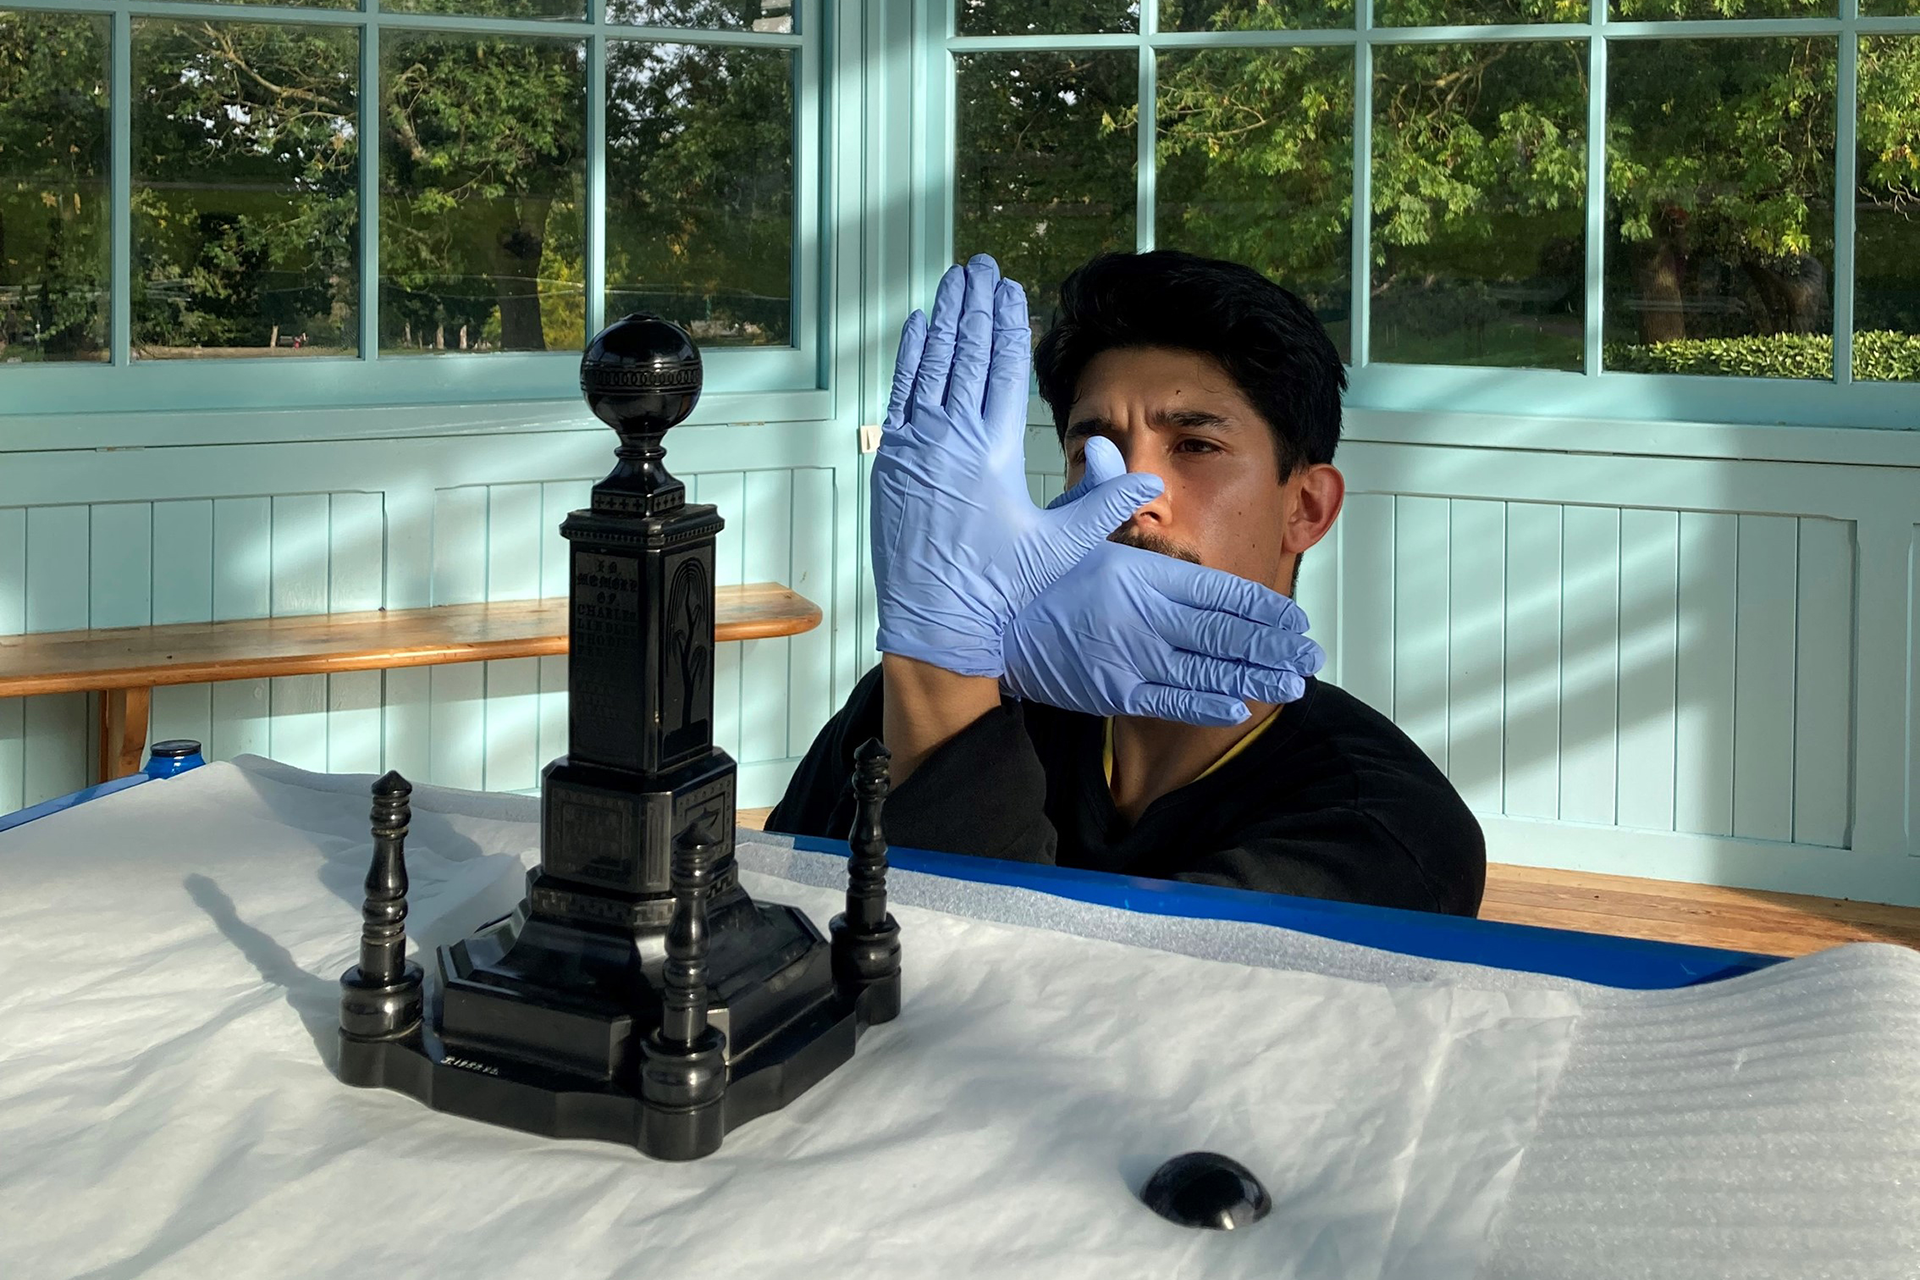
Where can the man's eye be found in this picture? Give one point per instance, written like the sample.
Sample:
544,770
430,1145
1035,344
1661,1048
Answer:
1198,446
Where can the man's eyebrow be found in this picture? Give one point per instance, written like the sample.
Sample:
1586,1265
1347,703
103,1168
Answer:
1162,419
1189,418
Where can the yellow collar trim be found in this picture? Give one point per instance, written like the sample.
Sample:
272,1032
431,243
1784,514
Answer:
1106,751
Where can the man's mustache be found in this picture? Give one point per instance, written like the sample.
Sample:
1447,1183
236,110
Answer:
1128,536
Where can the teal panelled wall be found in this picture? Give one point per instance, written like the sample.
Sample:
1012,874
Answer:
1677,649
460,520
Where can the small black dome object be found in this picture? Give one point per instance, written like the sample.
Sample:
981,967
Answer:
1207,1190
641,375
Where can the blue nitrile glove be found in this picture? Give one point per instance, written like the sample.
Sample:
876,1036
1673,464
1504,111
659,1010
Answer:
1133,632
958,546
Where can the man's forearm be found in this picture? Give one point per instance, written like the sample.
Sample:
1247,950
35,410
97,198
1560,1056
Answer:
926,706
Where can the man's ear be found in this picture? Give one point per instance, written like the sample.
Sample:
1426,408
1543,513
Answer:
1320,490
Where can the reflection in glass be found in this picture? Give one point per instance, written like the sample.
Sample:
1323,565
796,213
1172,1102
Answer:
1256,165
1044,17
1886,255
774,16
481,172
1254,15
573,9
300,4
700,189
245,212
1479,224
1044,163
1464,13
1720,164
1672,10
1889,8
53,188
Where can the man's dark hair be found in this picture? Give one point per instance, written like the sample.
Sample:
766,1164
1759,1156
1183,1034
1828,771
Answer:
1270,344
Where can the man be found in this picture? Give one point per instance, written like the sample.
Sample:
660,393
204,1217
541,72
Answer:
1118,682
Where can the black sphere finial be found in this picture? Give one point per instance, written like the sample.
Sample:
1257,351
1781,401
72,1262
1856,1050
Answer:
641,375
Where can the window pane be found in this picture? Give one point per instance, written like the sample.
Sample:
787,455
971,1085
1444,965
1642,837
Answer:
1044,163
700,189
1044,17
1254,15
1720,163
1448,13
1256,165
563,9
53,188
728,15
482,169
245,166
1889,8
300,4
1479,222
1660,10
1886,296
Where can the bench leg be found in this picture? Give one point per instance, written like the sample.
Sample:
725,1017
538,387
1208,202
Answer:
123,731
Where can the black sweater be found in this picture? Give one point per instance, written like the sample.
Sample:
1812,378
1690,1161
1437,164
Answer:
1330,801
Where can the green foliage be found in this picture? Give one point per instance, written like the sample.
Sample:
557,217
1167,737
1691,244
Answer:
53,169
1878,356
700,179
484,145
245,200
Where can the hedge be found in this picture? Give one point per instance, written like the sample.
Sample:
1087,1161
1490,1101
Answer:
1878,356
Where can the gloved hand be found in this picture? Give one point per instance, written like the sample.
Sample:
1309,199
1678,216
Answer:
958,546
1133,632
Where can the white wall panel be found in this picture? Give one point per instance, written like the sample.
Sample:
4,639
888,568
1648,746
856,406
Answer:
1589,663
1823,684
1476,649
1531,759
1649,646
1422,557
1703,711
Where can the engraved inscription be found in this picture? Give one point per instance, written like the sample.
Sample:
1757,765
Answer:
593,837
686,717
603,700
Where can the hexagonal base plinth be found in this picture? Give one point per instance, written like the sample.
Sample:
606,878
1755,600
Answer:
540,1025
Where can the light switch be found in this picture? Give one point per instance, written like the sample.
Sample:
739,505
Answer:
869,437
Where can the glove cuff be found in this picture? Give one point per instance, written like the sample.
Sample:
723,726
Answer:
964,655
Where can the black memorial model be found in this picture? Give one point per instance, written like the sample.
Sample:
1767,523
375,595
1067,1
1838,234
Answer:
638,994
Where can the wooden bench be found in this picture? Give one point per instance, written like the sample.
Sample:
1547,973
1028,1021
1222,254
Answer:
124,664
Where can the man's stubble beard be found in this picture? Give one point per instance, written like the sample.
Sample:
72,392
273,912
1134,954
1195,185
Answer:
1130,537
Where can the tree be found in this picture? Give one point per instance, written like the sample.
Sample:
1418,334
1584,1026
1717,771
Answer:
53,198
700,188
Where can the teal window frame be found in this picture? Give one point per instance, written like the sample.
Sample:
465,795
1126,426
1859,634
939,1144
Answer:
98,404
1592,394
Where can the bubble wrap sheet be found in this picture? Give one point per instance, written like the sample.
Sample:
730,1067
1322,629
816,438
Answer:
166,1034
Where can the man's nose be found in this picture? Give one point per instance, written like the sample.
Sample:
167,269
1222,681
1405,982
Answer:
1139,460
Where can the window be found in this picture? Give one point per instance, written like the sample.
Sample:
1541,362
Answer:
399,201
1624,208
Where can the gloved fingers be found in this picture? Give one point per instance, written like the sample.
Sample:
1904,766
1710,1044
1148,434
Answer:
1006,400
1103,463
1213,634
1104,508
973,341
1221,635
1163,702
936,356
1228,678
1222,592
913,339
